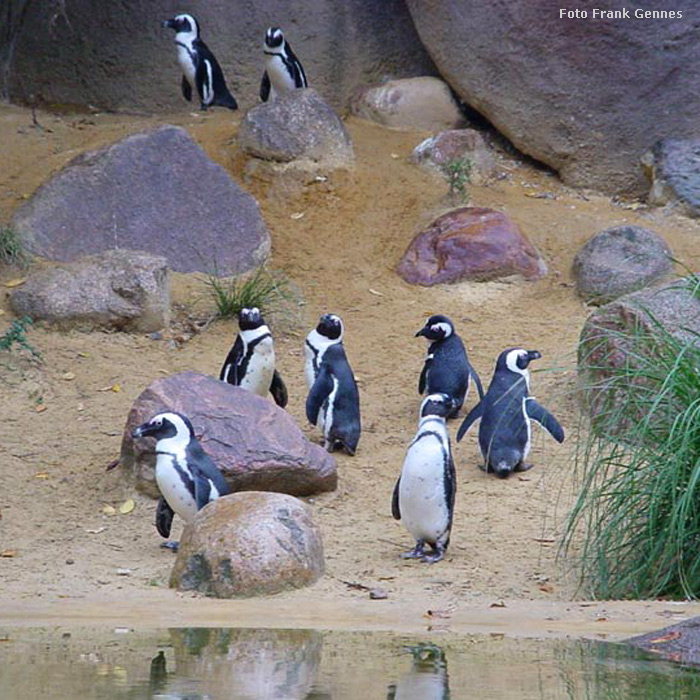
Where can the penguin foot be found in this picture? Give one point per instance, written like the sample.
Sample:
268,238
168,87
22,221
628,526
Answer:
437,554
416,552
522,467
172,545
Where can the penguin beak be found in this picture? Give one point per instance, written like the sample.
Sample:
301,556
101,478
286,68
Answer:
420,332
533,355
168,24
141,431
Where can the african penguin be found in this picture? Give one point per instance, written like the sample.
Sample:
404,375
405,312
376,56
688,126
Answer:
250,363
187,477
506,411
200,68
447,369
428,678
333,403
283,70
424,495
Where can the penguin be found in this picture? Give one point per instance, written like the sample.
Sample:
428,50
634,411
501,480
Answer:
283,70
428,678
424,495
187,477
250,363
506,412
447,369
200,68
333,403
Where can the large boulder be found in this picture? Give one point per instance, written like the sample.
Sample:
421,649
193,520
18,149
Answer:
249,544
673,169
256,445
420,104
470,243
155,191
123,290
297,126
620,260
117,56
588,95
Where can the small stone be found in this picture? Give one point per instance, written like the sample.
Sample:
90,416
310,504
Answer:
70,561
378,594
123,572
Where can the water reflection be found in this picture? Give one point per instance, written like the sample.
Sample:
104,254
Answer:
427,678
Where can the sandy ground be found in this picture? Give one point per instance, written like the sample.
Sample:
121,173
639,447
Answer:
60,553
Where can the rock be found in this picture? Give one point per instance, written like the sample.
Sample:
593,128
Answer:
155,191
249,544
618,261
297,126
616,333
101,60
673,168
679,643
545,81
123,290
420,104
257,445
470,243
436,152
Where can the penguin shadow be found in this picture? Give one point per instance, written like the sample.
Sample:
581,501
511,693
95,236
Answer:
427,676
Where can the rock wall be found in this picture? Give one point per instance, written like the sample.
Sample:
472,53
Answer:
115,55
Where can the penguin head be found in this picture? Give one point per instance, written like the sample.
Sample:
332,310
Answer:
165,425
516,360
250,319
437,327
331,326
440,405
183,24
274,39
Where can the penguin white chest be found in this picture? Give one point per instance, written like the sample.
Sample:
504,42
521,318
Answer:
422,501
185,57
171,476
260,369
281,81
325,414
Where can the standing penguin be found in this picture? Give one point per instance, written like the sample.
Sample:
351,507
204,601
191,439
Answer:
187,477
447,369
200,68
283,70
333,403
506,411
250,363
424,495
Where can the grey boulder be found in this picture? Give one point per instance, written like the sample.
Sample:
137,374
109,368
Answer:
123,290
256,445
618,261
249,544
155,191
299,126
422,104
673,169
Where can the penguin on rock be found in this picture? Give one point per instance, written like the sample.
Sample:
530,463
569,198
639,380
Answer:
283,70
447,369
187,477
424,495
200,68
506,412
333,402
250,363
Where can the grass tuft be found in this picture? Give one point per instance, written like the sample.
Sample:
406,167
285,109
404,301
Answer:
635,525
458,173
12,251
17,334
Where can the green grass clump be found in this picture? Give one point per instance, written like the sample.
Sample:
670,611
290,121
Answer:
636,521
261,288
12,251
17,334
458,173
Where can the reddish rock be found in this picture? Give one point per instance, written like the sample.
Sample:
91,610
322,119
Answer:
471,243
249,544
257,445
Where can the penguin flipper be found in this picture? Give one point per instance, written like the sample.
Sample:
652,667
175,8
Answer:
278,389
205,471
540,414
395,509
164,518
424,374
229,372
186,89
320,391
472,416
477,381
265,87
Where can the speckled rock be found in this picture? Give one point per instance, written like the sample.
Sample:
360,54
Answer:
249,544
414,104
257,445
123,290
619,261
470,243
